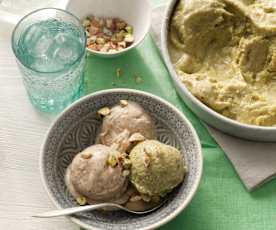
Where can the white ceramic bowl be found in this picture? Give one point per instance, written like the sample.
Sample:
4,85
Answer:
136,13
227,125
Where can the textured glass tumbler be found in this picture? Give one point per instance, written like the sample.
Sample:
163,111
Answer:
49,45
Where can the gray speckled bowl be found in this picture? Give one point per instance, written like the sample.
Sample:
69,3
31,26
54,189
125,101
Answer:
225,124
76,128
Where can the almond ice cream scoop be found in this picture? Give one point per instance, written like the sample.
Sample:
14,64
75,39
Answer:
95,176
124,124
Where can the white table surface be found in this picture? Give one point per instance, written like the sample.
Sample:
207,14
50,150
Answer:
22,130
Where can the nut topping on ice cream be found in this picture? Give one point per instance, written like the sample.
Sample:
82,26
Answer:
124,121
136,137
123,103
104,111
97,178
103,172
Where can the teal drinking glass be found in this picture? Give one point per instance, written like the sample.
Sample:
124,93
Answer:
49,45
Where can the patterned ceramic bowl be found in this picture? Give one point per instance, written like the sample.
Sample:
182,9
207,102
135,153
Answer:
76,128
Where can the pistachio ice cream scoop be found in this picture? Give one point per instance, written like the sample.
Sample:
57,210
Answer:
156,168
95,175
125,123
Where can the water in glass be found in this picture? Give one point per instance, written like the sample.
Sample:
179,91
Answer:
51,62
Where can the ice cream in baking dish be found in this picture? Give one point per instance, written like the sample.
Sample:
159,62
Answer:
224,51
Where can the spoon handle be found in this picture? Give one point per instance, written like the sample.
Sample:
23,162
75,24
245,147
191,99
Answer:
69,211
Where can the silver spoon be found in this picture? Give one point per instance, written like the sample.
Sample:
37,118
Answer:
69,211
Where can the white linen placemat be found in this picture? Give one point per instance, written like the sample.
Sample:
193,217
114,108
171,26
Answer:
255,162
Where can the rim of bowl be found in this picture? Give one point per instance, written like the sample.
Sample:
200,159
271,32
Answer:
164,49
120,90
133,45
33,12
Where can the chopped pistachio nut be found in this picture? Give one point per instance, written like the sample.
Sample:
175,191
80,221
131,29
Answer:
104,49
186,169
129,29
109,23
100,41
104,111
146,160
122,44
138,79
126,173
136,137
91,40
127,163
120,36
135,198
101,21
114,146
93,30
119,72
86,155
269,9
86,22
123,103
121,24
112,160
124,155
112,34
112,51
129,38
81,200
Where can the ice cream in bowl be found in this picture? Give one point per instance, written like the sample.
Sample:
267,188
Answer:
124,147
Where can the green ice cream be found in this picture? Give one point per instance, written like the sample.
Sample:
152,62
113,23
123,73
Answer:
156,168
224,51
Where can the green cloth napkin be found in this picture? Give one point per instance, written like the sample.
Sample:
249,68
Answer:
222,202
